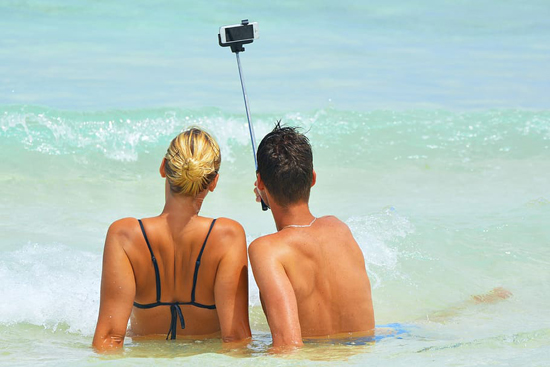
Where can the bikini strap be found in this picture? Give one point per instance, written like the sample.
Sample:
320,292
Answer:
198,263
153,260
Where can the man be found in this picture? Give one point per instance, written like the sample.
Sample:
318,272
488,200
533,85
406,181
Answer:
311,273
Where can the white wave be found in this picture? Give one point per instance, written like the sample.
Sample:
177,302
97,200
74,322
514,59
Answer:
117,138
50,285
377,234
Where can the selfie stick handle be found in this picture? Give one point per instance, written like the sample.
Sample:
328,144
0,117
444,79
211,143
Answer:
250,126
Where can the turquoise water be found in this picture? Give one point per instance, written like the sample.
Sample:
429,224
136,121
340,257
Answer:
430,124
355,55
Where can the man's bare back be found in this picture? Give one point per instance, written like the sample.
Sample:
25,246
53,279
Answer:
325,269
311,272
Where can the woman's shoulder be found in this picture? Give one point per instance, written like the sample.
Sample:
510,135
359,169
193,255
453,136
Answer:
228,232
224,226
124,229
229,226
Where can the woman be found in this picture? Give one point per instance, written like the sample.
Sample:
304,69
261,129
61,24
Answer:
176,273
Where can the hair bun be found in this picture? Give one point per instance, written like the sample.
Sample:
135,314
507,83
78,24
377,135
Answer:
192,161
193,170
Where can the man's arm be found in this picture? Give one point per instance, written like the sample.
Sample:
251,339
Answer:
277,295
231,285
118,290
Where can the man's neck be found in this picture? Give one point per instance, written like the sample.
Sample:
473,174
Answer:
293,215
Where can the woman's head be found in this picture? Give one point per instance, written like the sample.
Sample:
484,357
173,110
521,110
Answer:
192,162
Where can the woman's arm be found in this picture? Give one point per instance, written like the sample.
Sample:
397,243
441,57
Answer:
118,290
231,285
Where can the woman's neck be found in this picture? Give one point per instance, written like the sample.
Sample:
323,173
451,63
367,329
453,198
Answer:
179,209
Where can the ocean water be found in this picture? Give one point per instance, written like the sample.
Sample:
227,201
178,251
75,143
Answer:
430,124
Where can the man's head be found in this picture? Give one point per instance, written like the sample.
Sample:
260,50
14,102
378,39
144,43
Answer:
285,165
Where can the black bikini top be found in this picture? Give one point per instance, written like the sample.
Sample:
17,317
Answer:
175,309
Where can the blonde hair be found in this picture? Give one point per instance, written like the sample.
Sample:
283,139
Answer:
192,162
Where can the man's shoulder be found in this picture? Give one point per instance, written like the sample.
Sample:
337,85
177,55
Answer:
331,220
269,246
335,224
263,243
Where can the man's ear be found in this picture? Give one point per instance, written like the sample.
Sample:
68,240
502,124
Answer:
314,180
161,168
261,190
260,184
214,183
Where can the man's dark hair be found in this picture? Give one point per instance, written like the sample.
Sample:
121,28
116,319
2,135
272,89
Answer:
285,164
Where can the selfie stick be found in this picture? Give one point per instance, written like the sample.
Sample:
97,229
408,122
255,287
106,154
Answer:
236,48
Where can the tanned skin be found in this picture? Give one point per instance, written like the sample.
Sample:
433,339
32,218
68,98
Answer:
312,280
176,237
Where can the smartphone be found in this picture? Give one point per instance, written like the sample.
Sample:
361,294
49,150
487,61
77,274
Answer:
239,33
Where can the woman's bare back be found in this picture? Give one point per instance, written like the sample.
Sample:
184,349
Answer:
176,254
